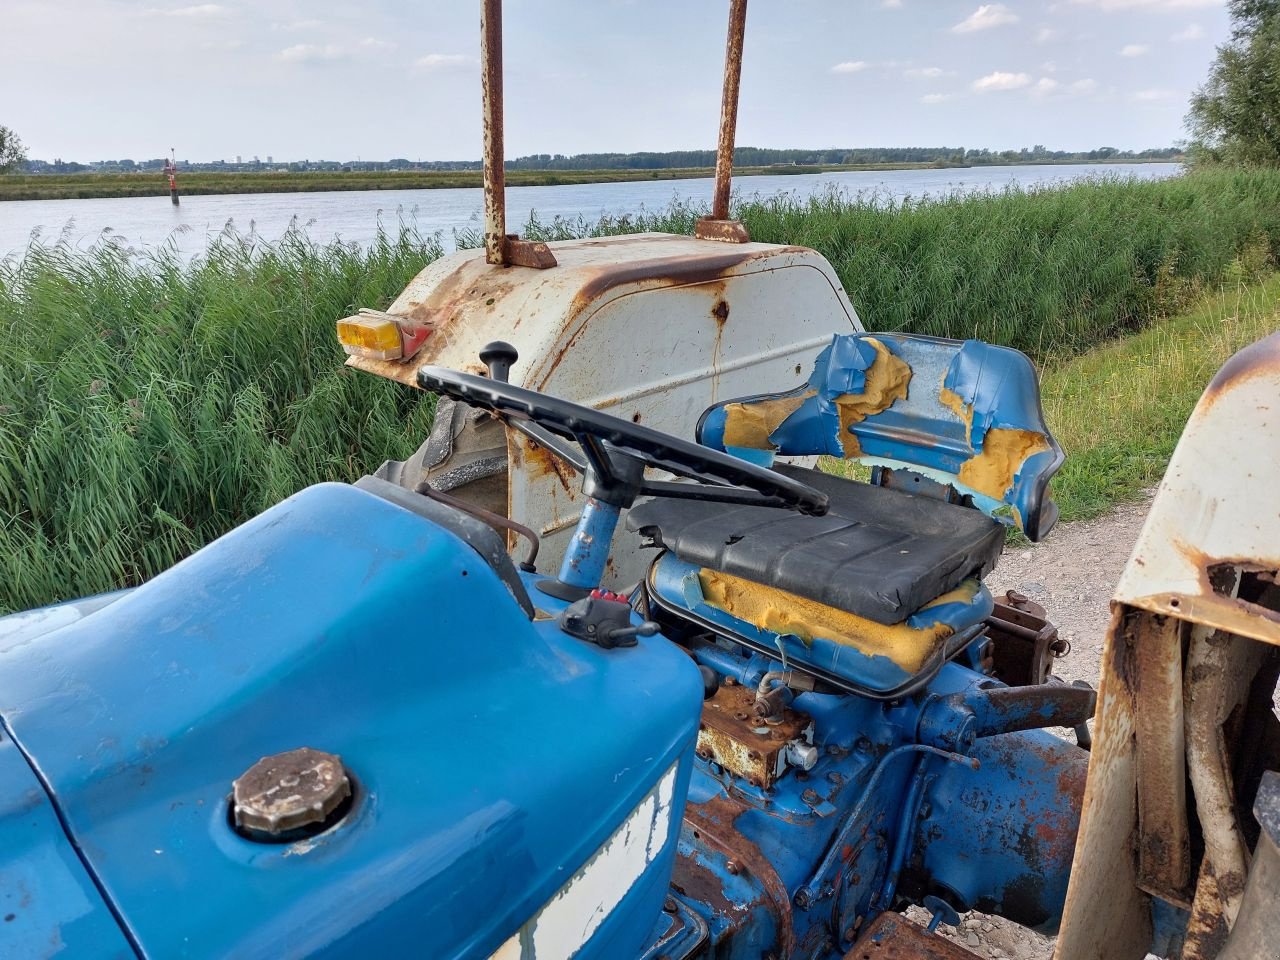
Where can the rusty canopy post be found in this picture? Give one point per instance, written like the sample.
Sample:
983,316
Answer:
718,226
495,178
500,247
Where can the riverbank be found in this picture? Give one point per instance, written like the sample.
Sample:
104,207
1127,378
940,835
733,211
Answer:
149,404
84,186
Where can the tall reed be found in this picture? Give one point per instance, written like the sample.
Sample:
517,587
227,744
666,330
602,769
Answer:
148,404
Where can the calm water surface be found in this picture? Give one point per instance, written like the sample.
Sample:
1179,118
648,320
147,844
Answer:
147,222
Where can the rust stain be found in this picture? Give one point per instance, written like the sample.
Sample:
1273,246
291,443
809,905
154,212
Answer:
714,825
892,936
1262,359
670,272
730,735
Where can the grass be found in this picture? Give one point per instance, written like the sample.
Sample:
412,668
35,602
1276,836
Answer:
1049,271
147,405
1118,410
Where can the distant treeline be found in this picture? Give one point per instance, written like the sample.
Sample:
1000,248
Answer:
760,157
673,159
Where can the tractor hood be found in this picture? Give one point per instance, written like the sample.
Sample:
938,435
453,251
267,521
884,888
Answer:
495,761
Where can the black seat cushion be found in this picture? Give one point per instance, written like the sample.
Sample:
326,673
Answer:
879,553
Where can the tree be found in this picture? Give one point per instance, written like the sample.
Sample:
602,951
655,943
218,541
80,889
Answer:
1235,116
12,155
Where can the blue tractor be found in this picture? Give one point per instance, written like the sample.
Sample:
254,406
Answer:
355,726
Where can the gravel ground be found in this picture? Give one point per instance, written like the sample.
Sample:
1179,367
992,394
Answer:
1072,574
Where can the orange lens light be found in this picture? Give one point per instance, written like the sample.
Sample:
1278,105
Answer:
377,338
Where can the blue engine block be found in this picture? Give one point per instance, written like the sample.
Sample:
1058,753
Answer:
882,818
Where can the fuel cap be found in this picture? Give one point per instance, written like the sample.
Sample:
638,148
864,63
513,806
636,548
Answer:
289,795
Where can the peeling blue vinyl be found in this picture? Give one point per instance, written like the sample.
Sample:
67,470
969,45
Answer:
919,432
676,582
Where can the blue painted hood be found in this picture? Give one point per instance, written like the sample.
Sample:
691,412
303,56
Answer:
492,755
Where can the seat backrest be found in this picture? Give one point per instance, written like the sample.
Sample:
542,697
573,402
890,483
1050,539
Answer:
960,412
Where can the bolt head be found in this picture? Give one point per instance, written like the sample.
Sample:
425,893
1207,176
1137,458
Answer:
288,792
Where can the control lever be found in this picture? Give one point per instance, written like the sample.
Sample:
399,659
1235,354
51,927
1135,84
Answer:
604,618
499,356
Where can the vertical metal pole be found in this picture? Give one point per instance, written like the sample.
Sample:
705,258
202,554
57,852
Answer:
495,185
729,108
718,226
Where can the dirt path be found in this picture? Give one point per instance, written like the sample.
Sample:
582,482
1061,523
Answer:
1072,574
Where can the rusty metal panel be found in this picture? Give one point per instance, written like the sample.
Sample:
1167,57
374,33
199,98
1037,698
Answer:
732,736
892,936
1203,576
1106,916
1164,850
1206,513
649,327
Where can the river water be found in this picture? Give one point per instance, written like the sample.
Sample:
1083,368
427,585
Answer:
145,222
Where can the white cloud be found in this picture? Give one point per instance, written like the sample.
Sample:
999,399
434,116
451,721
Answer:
1134,50
937,97
985,17
198,10
1045,34
1087,85
1045,86
1158,6
442,61
1001,81
310,53
891,4
1192,31
1153,95
374,45
924,73
296,26
850,66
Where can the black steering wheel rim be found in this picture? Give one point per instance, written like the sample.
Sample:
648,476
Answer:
721,476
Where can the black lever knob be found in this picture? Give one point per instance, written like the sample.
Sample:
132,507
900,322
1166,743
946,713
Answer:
499,357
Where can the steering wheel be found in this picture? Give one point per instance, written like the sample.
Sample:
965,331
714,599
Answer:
612,453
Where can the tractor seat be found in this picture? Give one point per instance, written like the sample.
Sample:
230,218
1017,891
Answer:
879,553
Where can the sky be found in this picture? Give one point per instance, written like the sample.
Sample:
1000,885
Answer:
323,79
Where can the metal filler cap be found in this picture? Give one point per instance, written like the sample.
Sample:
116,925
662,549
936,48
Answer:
289,793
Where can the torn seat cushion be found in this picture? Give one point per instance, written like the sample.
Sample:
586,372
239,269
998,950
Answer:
879,553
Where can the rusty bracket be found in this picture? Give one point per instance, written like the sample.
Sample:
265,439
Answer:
727,231
526,253
892,936
732,736
1024,641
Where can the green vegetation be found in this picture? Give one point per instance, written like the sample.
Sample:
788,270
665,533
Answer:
1235,116
147,405
12,154
80,186
1118,410
1050,271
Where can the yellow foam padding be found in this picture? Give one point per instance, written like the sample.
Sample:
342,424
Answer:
1004,451
951,400
748,425
886,381
992,469
781,612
